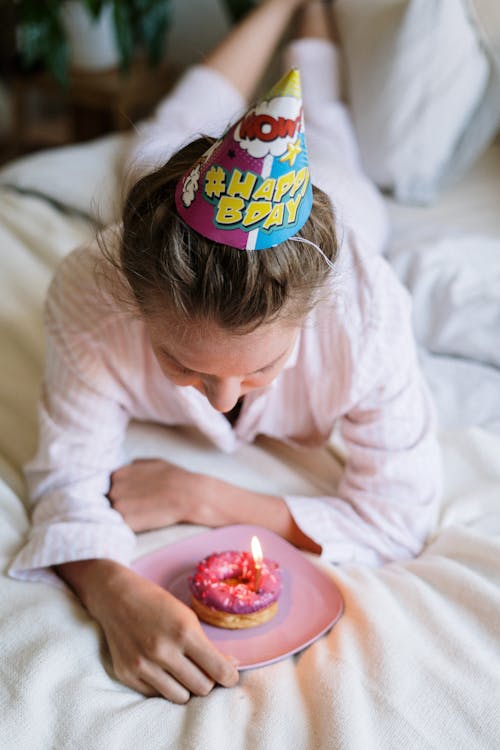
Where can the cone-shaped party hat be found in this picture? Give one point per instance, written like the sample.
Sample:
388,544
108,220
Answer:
252,189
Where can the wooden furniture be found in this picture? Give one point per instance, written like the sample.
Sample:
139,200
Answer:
94,103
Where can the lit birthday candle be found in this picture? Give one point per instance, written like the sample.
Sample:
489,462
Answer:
257,560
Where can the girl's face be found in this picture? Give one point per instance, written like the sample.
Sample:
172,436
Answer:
221,365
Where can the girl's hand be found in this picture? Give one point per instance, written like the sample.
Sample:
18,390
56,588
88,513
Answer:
151,493
156,643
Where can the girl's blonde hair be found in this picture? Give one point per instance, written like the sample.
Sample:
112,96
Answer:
172,269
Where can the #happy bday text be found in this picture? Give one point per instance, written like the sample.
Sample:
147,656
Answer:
247,200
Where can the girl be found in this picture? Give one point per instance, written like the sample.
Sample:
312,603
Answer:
236,342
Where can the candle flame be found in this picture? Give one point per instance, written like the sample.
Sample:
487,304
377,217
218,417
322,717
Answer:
256,551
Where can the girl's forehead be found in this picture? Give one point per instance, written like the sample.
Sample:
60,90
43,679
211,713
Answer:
206,348
185,332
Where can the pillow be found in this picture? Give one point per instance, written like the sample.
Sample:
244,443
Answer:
416,74
85,177
486,120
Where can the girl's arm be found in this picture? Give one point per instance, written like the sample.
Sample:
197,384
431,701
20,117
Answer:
149,493
156,643
82,418
244,55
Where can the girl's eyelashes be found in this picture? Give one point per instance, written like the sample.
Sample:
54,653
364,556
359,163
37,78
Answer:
263,370
269,367
175,365
179,369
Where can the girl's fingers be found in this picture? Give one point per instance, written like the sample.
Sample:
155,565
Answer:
147,690
140,686
211,661
188,674
175,680
164,684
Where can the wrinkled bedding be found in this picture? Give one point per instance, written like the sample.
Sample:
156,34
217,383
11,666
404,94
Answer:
448,255
415,660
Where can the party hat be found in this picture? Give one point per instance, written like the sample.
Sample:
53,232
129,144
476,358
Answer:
252,189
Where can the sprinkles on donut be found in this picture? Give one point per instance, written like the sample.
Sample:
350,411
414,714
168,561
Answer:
224,592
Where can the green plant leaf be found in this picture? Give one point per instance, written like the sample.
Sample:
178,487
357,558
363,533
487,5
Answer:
57,61
32,40
94,7
41,38
124,30
152,19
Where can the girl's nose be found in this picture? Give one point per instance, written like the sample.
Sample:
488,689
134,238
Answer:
223,393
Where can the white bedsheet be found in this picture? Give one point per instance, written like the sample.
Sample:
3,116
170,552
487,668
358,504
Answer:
448,255
413,663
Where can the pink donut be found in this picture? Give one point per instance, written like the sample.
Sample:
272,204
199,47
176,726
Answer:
225,581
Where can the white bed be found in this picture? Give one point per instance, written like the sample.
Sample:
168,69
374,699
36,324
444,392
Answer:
415,660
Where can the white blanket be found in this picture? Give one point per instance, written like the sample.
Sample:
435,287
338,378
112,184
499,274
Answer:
413,663
448,255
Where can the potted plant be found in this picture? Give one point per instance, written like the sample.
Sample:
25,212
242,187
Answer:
46,37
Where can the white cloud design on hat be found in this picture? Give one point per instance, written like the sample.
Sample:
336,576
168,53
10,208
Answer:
269,127
190,187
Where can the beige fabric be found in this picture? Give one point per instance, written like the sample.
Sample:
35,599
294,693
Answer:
488,15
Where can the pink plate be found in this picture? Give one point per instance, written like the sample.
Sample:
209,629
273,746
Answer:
309,605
